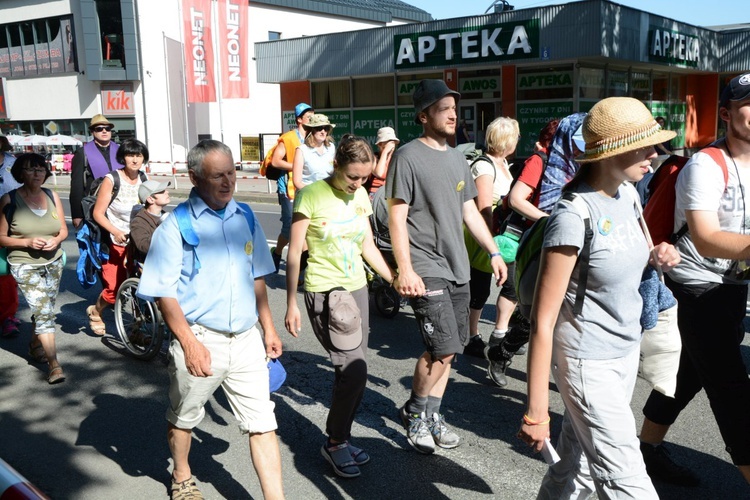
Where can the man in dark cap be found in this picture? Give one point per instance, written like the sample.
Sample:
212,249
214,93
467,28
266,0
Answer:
710,285
430,195
93,161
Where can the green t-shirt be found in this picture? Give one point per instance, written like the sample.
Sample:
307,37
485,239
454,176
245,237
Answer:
338,225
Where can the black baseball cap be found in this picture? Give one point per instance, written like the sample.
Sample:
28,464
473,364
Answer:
428,93
738,89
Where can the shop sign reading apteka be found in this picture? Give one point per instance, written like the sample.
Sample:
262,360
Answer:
487,43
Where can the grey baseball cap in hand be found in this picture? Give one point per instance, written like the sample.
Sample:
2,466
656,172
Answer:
344,320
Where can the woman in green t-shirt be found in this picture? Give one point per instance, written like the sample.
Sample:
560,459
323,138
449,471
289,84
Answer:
332,217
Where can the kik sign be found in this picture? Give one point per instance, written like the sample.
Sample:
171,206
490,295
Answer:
468,45
118,101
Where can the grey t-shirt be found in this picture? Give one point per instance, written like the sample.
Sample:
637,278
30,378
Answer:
700,186
609,326
435,184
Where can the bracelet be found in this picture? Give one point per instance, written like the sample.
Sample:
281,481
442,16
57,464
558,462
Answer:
528,421
495,254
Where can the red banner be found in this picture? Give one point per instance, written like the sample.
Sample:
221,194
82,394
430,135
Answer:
233,41
199,55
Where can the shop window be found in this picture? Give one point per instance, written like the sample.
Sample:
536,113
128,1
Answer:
641,85
406,84
480,84
373,91
37,47
110,28
545,83
591,84
617,83
274,35
660,87
331,94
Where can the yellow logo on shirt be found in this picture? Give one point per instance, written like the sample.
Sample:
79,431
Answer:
249,248
460,186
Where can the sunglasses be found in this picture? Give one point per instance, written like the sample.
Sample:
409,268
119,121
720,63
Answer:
103,128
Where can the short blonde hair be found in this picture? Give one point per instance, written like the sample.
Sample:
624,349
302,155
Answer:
502,135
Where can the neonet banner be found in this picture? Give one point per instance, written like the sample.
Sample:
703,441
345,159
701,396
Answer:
199,53
233,41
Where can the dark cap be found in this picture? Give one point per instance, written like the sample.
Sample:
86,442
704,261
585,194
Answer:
428,93
738,89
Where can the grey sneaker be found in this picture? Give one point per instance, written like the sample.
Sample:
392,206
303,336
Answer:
496,369
441,434
417,431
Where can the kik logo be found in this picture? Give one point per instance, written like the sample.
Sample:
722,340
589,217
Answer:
118,100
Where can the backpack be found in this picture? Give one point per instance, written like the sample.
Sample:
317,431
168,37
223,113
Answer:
529,255
10,208
503,215
190,237
530,252
268,170
659,211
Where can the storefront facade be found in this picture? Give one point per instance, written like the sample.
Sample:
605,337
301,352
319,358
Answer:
531,64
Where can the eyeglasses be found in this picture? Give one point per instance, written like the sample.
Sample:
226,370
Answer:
103,128
35,170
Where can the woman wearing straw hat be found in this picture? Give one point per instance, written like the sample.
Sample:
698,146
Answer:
316,161
594,355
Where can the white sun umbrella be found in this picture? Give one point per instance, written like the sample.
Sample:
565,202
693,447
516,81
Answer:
13,138
32,140
62,140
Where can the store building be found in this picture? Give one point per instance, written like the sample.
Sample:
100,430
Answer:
141,64
530,64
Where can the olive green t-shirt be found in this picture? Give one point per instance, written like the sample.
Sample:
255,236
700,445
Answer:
27,224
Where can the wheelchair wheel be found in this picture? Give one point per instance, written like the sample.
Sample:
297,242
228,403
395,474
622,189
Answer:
387,301
139,323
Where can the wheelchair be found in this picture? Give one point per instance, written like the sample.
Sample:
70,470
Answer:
140,326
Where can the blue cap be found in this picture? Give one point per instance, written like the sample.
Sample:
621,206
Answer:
301,108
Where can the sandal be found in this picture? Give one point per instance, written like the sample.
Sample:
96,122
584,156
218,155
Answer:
185,490
359,455
95,322
341,459
36,352
56,375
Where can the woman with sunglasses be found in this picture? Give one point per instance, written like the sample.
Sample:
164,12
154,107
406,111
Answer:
316,159
114,215
33,237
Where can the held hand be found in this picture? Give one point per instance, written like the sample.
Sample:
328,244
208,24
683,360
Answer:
51,244
37,243
499,270
273,344
292,321
409,284
666,256
197,359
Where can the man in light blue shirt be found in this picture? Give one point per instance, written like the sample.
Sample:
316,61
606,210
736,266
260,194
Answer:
211,296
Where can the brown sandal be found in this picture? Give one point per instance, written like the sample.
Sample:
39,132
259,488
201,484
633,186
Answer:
36,352
95,321
56,375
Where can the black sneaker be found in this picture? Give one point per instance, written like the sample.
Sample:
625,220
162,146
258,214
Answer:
496,368
660,467
475,347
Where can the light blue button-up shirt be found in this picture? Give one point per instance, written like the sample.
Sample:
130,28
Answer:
221,294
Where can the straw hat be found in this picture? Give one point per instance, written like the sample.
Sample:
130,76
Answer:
318,120
100,119
617,125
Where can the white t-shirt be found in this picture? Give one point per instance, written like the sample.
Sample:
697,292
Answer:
124,206
501,174
700,186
